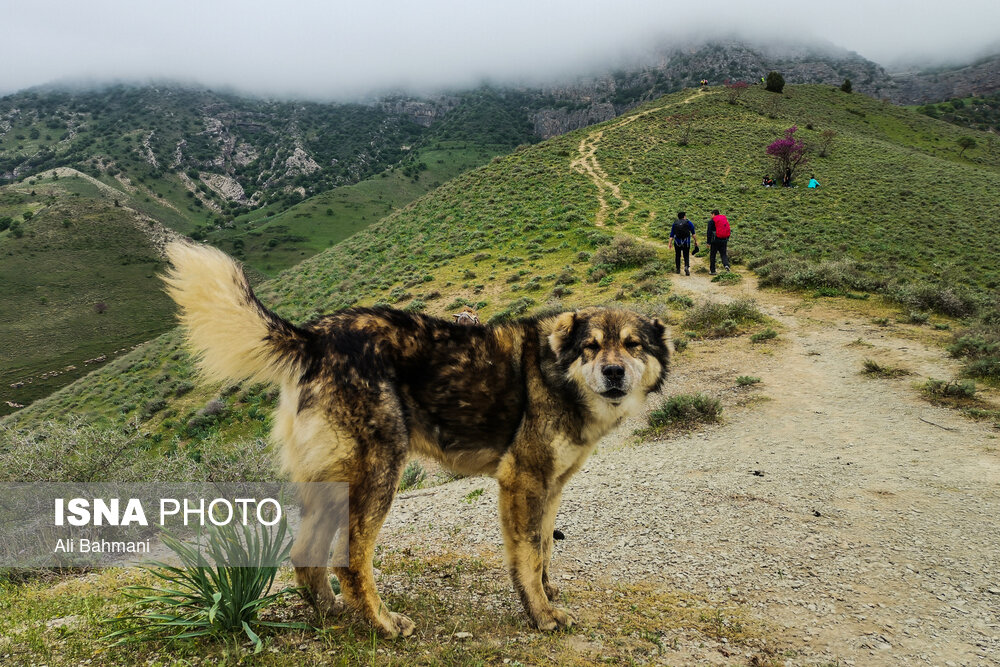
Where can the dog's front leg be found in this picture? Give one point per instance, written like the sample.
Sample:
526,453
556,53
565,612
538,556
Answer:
524,499
548,526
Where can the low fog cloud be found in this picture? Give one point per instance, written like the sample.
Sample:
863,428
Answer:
322,50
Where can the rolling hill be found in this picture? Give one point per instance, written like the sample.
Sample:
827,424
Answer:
142,164
536,229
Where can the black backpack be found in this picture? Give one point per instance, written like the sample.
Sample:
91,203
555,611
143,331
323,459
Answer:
682,230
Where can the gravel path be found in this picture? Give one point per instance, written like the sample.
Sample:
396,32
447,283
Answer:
854,517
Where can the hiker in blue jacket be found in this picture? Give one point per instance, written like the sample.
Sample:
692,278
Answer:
681,233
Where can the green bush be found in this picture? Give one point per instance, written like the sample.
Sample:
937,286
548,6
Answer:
624,252
946,300
685,411
728,278
718,320
513,310
799,274
980,347
953,389
766,334
775,82
747,380
413,476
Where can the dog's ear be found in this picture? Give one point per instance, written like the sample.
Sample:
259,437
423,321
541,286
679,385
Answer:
660,332
561,329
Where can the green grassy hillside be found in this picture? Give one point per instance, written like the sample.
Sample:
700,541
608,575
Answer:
79,285
518,234
81,245
271,242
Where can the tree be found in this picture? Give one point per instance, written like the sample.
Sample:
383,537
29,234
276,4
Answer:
846,86
735,89
789,154
775,82
826,140
965,143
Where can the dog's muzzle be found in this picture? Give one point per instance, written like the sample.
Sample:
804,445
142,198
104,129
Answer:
614,381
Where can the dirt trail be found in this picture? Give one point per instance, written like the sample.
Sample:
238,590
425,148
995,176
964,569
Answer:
588,164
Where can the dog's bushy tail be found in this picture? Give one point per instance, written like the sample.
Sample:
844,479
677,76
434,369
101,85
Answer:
234,336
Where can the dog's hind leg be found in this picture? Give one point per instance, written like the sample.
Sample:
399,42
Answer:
371,496
322,505
523,502
382,453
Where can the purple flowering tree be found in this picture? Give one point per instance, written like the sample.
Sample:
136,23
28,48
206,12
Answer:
735,90
788,153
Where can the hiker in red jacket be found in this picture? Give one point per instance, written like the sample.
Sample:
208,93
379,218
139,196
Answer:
718,240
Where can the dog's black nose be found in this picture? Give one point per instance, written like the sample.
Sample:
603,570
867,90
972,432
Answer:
614,373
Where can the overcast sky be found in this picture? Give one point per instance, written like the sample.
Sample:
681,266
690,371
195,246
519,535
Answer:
335,48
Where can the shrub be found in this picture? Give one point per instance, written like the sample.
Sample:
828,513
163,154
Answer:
747,380
681,301
514,309
986,368
766,334
735,90
416,306
799,274
566,278
826,141
685,410
624,252
728,278
650,287
953,389
975,345
942,299
775,83
718,320
872,367
413,476
846,86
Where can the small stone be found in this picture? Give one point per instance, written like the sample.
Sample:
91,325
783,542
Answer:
463,635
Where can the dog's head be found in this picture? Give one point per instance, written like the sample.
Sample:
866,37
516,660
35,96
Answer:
610,355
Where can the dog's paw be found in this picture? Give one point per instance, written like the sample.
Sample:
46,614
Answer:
396,625
554,618
327,606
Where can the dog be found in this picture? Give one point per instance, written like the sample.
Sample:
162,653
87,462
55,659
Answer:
363,389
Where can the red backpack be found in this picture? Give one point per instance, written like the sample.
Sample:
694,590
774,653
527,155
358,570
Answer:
722,230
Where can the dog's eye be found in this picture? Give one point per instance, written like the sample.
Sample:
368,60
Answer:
632,345
592,346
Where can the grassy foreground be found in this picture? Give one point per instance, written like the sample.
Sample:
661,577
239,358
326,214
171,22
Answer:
464,610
